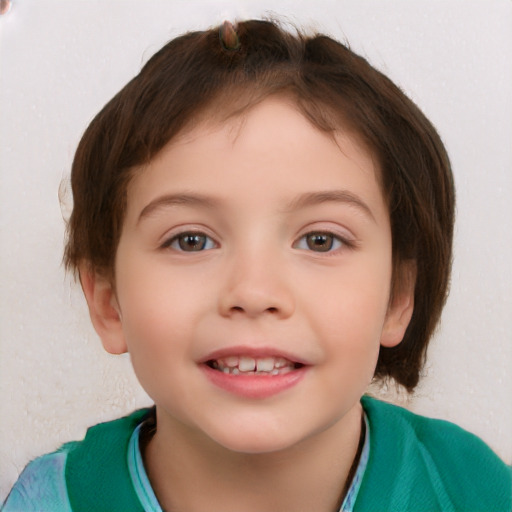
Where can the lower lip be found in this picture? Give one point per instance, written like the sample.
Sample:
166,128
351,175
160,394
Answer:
254,386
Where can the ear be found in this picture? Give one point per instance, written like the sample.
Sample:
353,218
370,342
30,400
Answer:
104,310
401,306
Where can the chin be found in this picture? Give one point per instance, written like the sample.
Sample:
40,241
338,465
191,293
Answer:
259,438
254,441
258,447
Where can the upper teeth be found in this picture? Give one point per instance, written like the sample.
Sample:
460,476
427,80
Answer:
246,364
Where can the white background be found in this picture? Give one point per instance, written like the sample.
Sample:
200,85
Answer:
61,60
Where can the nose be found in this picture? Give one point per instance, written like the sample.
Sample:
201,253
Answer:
256,285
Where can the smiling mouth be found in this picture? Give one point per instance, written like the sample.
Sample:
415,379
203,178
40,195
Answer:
246,365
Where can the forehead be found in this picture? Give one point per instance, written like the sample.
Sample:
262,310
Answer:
235,108
270,147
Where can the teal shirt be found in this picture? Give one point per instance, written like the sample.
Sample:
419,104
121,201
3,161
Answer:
420,464
43,485
409,463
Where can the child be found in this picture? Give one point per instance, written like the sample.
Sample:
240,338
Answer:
264,222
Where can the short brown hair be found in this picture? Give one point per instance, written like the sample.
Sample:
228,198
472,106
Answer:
198,72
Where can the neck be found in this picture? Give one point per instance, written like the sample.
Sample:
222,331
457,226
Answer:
190,472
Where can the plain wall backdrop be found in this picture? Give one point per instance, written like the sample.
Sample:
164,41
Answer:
61,60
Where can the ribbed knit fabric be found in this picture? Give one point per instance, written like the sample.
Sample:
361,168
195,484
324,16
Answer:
415,464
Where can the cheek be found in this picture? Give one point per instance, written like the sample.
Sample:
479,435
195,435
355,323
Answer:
347,312
352,300
157,331
152,320
351,343
162,308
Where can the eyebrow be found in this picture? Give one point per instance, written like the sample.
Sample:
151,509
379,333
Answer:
335,196
170,200
303,201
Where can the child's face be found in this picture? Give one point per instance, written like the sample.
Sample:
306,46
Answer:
258,240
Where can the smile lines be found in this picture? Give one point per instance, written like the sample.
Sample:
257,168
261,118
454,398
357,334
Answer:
246,365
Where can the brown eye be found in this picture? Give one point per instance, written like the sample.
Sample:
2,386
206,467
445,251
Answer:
190,242
319,242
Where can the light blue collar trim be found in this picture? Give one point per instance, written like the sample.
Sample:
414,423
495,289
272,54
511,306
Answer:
148,499
350,498
139,476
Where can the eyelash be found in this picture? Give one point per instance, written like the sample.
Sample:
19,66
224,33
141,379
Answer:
334,242
177,239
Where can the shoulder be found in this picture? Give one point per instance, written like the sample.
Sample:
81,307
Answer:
41,486
427,464
97,472
80,472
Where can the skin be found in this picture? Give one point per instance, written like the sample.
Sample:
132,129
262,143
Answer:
259,284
